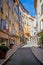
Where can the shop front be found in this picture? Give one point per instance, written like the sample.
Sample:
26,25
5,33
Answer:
4,38
11,39
17,39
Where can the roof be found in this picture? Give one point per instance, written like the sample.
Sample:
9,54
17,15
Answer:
23,8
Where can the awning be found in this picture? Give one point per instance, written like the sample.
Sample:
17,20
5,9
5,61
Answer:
11,37
3,35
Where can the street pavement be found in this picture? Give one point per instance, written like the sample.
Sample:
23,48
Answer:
23,56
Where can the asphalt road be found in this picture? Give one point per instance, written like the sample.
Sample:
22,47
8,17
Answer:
23,56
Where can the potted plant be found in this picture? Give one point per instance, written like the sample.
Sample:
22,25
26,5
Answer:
3,51
11,45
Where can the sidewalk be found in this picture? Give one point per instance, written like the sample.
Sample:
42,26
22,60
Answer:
9,54
38,52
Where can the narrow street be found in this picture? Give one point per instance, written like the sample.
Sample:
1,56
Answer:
23,56
21,32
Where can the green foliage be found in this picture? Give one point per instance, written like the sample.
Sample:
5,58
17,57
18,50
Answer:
4,48
41,38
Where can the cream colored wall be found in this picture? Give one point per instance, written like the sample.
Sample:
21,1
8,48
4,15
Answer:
39,15
31,24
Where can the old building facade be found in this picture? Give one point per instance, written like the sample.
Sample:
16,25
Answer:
39,11
9,26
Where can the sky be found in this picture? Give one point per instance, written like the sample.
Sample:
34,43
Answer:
29,6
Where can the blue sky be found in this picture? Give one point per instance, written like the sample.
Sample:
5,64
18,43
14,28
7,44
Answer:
29,6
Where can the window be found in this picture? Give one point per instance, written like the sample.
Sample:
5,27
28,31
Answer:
42,9
7,14
14,1
7,1
3,24
13,10
41,25
0,5
1,2
7,26
11,3
1,8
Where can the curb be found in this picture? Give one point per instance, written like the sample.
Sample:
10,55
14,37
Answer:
5,60
36,57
